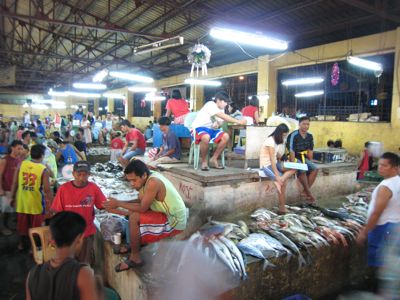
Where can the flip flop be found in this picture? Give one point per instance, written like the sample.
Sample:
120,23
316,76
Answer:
205,169
121,249
218,167
281,213
130,263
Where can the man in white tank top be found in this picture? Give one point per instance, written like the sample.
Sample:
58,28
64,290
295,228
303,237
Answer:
383,210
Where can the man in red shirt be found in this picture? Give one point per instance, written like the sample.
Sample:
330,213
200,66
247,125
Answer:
81,196
8,165
135,143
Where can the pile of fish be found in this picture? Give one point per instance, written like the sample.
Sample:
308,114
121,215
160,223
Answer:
269,235
98,151
108,170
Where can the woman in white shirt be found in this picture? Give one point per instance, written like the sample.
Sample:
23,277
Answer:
270,154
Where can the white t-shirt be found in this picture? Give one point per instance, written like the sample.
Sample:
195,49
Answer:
203,117
392,211
109,124
265,159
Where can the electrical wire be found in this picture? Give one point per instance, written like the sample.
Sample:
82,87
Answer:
266,60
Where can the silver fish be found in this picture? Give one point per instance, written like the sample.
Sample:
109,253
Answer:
253,251
235,254
220,253
243,227
285,241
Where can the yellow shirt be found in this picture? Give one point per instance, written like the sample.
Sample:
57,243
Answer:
30,198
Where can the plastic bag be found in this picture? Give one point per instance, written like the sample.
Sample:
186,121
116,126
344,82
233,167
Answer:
110,225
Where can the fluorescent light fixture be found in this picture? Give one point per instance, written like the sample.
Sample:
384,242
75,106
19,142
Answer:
364,63
202,82
132,77
77,106
154,97
39,106
143,89
58,104
303,81
51,92
84,95
114,95
309,94
99,76
241,37
90,86
159,45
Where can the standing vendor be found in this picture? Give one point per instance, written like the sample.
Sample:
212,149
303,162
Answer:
160,213
301,144
383,211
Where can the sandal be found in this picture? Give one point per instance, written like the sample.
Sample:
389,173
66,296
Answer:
130,265
218,167
121,249
205,169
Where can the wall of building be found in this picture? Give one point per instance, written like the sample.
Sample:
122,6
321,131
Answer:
353,134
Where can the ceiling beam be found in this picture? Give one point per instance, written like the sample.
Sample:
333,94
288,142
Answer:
372,10
58,56
46,19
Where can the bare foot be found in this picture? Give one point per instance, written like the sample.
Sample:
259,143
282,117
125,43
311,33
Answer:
282,210
278,186
310,198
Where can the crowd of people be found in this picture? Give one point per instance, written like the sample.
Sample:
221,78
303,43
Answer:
36,151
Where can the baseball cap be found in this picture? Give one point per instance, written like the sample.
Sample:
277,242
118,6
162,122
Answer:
81,165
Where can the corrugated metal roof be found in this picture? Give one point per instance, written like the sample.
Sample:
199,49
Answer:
64,47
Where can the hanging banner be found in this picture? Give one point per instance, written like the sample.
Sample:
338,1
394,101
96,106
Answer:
7,76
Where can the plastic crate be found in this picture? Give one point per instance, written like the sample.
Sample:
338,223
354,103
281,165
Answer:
329,155
239,150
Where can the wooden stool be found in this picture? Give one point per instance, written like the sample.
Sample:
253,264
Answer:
47,250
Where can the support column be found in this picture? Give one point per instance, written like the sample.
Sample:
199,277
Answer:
110,104
129,106
264,93
196,97
395,117
96,106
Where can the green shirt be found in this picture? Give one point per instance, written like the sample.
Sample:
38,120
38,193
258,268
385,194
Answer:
172,206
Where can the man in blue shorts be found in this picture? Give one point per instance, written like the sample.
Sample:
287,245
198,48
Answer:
206,128
383,220
301,144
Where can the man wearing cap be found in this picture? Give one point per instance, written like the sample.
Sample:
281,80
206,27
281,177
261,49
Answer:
81,196
206,128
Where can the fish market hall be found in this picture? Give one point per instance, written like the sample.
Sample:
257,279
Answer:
199,149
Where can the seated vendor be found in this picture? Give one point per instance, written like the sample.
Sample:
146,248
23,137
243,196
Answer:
301,144
68,153
160,213
206,126
135,143
170,151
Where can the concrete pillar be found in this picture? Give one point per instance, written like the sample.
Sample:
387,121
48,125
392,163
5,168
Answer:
129,106
110,104
196,97
157,109
263,86
395,117
96,107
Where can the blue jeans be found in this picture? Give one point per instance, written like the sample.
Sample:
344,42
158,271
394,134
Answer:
129,154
